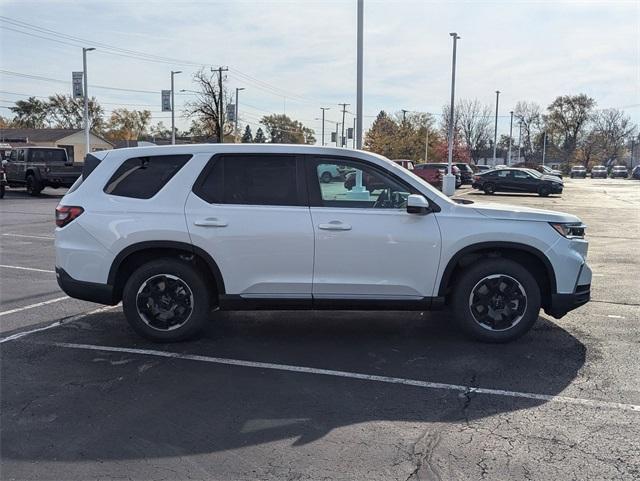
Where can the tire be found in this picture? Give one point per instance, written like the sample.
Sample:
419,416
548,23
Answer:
543,191
325,178
469,290
33,186
489,188
2,190
186,294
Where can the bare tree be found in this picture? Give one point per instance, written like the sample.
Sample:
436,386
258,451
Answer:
614,129
566,120
474,120
206,106
529,114
67,112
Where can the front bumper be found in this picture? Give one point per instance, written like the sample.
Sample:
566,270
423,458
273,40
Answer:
86,291
556,188
563,303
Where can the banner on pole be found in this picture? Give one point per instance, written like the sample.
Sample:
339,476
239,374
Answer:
166,100
78,91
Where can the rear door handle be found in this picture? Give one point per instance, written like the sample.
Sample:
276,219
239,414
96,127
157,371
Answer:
211,222
334,225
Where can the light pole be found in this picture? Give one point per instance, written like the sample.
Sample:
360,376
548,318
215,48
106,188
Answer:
87,140
238,89
173,109
353,134
449,181
343,141
510,135
323,110
495,130
426,147
337,131
359,48
544,147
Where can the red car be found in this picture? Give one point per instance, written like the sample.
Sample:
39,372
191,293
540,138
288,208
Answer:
433,173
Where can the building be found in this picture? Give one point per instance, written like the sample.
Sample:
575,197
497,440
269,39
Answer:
72,140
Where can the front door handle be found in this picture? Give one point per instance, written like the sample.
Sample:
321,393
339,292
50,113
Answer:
334,225
211,222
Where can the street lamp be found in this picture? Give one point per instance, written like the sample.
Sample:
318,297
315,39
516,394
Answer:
519,139
323,111
173,109
449,181
495,131
359,72
510,135
238,89
87,141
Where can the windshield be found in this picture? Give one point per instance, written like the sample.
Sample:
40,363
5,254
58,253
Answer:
533,172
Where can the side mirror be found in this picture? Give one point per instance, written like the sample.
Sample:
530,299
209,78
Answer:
418,204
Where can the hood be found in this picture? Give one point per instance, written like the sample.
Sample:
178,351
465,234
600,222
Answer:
551,178
513,212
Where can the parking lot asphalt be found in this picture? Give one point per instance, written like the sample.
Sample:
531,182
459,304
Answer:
322,395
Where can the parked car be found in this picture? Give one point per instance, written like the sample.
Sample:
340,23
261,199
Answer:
432,173
483,168
635,173
619,171
466,172
599,171
578,171
546,170
38,167
168,231
329,173
407,164
517,180
454,168
3,178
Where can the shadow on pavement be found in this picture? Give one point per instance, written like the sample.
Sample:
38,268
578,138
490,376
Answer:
77,406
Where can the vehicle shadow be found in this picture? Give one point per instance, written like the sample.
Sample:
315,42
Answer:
48,193
514,194
96,406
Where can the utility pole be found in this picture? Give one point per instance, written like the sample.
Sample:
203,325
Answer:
510,135
633,144
449,182
353,139
235,116
220,102
87,139
544,147
404,115
173,109
337,127
344,111
323,110
360,61
519,140
495,130
426,147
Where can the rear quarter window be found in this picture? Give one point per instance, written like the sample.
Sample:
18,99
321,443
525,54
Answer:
143,177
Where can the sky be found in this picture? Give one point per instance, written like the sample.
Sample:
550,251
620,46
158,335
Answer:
297,56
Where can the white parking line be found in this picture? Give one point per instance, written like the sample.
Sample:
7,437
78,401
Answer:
31,306
27,269
18,335
354,375
30,236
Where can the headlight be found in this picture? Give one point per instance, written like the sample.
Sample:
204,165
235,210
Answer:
569,230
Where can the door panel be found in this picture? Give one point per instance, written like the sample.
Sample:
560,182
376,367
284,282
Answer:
366,245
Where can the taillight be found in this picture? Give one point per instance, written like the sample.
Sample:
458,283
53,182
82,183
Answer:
66,213
476,178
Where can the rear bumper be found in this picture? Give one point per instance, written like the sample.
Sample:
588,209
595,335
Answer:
563,303
86,291
64,180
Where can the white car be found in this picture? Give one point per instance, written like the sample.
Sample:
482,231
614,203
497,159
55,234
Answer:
175,232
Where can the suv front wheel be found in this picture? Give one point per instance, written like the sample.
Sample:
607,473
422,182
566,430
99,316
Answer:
166,300
496,300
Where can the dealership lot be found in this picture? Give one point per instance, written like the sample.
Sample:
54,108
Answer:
322,395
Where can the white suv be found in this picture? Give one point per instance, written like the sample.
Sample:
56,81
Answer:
177,231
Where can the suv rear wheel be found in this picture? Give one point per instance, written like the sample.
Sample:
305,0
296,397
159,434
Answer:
496,300
33,186
166,300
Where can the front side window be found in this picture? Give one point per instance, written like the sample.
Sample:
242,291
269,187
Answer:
503,174
251,180
358,186
143,177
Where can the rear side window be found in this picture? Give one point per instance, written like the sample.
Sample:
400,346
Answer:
143,177
48,155
250,180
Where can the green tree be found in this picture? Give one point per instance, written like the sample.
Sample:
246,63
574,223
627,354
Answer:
284,130
260,137
65,112
566,119
381,137
30,113
247,137
128,124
